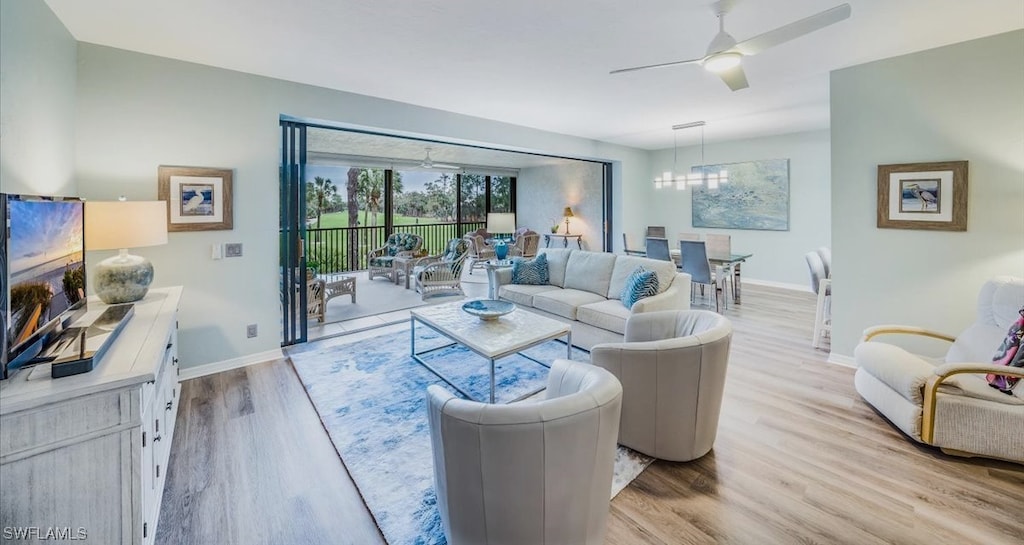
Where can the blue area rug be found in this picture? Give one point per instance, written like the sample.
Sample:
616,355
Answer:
371,398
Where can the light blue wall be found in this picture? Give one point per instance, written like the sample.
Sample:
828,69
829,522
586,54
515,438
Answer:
138,111
960,102
778,255
37,100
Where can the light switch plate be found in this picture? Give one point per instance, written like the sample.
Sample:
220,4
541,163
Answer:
233,249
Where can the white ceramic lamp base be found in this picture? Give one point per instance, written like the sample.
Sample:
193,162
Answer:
123,278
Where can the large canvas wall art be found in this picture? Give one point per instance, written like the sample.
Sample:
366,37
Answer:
756,196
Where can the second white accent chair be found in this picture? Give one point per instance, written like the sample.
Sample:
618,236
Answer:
672,367
528,473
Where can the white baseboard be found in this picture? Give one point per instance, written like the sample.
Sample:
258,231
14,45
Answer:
197,371
839,359
774,284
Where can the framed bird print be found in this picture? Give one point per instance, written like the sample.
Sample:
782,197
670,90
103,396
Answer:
198,199
929,196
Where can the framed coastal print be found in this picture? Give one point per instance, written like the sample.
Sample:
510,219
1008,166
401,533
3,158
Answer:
750,195
198,199
923,196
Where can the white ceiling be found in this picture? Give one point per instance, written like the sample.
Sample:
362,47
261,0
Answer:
545,63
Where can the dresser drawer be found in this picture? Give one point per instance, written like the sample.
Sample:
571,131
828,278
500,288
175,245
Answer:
51,425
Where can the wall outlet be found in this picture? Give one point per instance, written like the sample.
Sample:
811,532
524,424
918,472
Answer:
233,249
250,331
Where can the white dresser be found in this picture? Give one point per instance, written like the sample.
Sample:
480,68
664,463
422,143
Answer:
87,454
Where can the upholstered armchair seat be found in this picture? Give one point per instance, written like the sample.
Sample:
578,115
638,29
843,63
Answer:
672,367
528,473
947,402
380,261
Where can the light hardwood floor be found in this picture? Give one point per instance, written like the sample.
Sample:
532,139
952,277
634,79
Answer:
799,458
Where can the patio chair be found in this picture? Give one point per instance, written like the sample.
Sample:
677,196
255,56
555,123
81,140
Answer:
479,251
442,275
380,260
526,244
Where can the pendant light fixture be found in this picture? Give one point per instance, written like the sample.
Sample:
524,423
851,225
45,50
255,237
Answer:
693,178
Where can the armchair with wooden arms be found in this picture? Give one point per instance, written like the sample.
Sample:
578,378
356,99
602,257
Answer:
948,403
442,274
380,261
479,251
526,244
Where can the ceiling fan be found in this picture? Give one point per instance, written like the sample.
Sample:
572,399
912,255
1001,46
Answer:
428,163
724,54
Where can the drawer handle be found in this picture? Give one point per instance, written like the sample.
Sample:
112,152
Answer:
156,438
168,406
169,345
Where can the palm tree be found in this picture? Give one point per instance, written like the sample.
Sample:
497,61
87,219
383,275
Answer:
371,188
320,191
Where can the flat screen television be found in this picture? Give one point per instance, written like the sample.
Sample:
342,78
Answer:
42,265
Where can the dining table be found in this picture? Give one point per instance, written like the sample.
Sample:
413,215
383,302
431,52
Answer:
722,263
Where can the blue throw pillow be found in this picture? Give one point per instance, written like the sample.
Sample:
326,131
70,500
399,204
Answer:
641,283
530,271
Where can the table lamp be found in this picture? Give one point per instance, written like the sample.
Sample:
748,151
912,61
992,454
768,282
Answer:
567,213
119,225
500,223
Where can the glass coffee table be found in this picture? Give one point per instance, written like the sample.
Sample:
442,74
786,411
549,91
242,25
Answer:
492,339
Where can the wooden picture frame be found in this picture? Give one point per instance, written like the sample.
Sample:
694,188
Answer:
930,196
198,198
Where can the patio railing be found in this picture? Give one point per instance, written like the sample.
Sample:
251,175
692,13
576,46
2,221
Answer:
343,249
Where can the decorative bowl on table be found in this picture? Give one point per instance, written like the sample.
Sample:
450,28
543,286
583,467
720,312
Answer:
488,309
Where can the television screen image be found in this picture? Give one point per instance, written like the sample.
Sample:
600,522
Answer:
45,262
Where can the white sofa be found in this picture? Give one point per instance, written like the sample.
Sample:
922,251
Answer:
585,286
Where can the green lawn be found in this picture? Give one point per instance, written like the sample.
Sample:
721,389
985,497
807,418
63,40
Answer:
340,219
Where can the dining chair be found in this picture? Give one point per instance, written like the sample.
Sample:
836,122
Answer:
655,231
688,236
657,248
629,247
825,253
821,285
721,246
694,261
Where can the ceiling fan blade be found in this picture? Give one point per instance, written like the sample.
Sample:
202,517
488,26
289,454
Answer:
444,166
734,78
661,65
793,30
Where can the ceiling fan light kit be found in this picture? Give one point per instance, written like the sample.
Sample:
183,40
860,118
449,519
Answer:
724,55
720,62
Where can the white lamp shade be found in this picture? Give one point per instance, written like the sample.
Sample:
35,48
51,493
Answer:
113,225
501,222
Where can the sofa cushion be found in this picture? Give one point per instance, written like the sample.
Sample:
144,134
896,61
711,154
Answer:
522,294
641,283
624,265
564,302
530,271
590,271
608,314
557,260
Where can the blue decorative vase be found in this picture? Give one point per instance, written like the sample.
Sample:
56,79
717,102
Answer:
500,249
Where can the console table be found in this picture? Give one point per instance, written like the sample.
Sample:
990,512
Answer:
87,454
565,239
